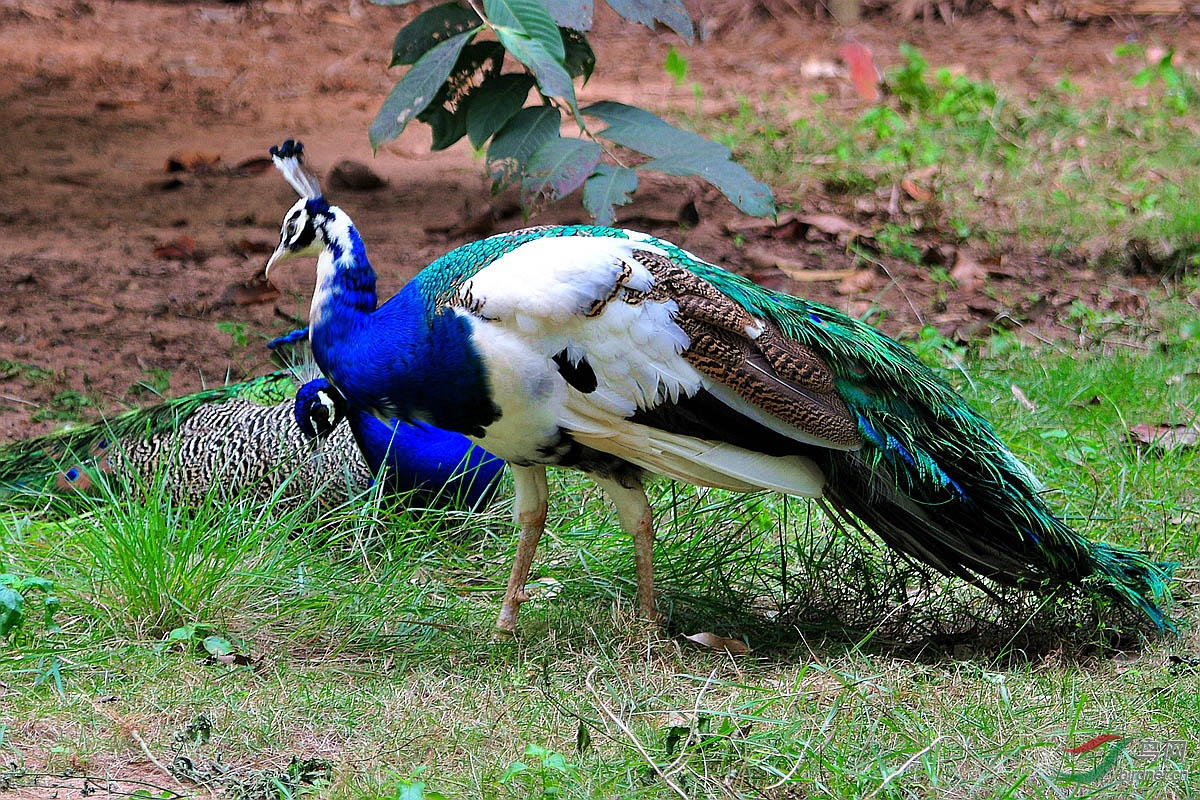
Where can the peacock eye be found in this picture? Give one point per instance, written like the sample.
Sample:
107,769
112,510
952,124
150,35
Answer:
291,229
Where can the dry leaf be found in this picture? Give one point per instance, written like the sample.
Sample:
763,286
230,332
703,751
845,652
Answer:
967,271
721,644
795,270
249,292
1022,399
192,161
355,176
180,249
915,191
1165,437
831,225
863,73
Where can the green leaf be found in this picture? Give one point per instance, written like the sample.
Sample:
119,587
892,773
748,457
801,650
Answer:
447,114
749,195
552,76
573,14
416,89
608,186
557,168
677,152
217,646
517,141
493,103
529,18
429,29
515,768
11,614
676,66
638,129
448,126
579,58
646,12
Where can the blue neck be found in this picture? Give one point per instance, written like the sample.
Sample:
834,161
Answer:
397,361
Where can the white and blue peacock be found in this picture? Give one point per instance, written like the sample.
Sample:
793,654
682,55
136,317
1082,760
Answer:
617,353
254,439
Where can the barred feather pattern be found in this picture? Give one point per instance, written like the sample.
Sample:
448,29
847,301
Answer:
234,441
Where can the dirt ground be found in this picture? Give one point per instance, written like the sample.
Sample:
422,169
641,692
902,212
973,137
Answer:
115,271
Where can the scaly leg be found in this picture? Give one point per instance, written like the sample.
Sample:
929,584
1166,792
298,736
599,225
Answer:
529,510
633,510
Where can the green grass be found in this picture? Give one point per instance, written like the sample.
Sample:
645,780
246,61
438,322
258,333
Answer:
368,633
1007,168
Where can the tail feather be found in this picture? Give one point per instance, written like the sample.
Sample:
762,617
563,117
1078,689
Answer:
990,525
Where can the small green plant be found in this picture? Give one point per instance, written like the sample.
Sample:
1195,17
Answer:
545,777
236,330
66,406
30,372
413,789
1179,94
13,591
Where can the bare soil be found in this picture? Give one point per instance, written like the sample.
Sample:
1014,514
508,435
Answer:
115,271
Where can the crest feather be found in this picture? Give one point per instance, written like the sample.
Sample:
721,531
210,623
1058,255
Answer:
289,160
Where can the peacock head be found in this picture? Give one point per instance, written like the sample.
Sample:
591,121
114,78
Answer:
319,408
304,230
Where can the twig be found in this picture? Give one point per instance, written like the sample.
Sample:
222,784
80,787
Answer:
137,737
16,399
630,734
904,766
678,763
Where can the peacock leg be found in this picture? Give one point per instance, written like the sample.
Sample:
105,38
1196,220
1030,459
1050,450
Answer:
633,511
531,495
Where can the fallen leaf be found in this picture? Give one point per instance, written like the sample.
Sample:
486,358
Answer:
180,249
863,73
795,270
544,588
814,68
1022,398
1165,437
967,271
253,166
252,291
354,176
247,247
831,225
915,191
721,644
192,161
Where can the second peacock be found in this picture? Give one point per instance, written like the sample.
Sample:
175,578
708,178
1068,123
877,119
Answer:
618,353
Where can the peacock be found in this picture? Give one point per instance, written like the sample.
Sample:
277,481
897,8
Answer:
253,439
618,354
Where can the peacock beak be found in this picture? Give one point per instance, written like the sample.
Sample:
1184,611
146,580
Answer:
280,255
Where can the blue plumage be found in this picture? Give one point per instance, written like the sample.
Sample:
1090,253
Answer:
616,353
434,465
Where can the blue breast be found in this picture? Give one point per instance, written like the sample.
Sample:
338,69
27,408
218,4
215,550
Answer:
437,464
404,362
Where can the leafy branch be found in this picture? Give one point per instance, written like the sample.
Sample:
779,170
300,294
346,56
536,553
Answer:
457,85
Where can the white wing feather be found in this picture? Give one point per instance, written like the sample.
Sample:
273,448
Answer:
533,303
